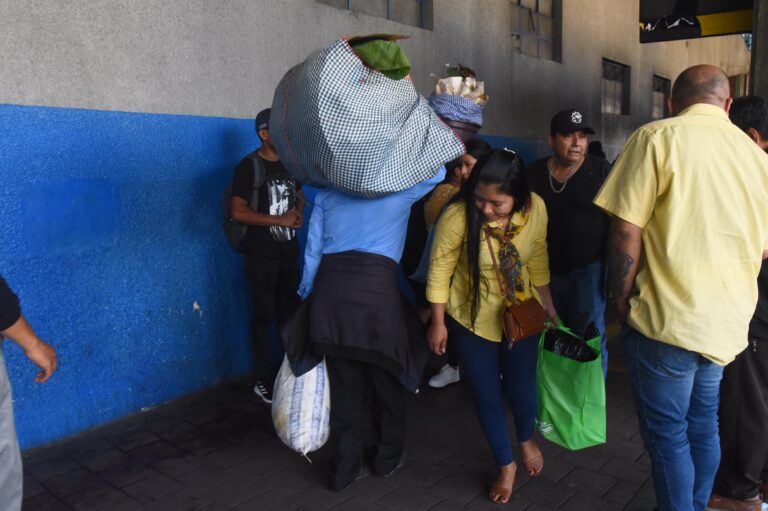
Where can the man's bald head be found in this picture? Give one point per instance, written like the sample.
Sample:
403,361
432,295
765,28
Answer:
700,84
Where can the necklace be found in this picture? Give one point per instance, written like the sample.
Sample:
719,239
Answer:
550,168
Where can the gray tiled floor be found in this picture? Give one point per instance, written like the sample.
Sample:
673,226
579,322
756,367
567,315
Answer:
216,451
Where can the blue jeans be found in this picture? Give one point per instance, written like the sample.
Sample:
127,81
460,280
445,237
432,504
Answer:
676,393
484,363
579,297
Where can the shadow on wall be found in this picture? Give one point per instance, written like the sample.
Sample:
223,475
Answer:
113,242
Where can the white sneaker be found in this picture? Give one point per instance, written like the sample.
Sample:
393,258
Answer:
446,376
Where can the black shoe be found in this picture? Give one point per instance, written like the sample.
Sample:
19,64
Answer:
263,389
362,474
400,464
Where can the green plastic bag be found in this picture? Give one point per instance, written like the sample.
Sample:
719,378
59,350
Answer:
571,397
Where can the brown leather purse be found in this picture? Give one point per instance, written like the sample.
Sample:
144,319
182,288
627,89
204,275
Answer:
523,319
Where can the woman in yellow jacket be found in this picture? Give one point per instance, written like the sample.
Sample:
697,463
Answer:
466,300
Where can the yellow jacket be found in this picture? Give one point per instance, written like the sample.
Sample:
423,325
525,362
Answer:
449,279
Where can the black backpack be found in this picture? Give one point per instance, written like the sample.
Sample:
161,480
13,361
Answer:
235,231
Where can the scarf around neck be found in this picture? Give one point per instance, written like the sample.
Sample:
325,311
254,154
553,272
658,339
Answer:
509,258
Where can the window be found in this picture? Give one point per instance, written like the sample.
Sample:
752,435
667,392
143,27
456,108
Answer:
615,88
661,87
409,12
536,25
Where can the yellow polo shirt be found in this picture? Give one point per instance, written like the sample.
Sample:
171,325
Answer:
698,188
448,279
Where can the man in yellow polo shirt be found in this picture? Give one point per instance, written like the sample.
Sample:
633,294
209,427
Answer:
689,199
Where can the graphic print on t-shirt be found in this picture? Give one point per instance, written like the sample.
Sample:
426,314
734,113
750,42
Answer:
281,193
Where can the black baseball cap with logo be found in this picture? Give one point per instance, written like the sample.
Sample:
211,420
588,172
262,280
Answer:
262,119
569,121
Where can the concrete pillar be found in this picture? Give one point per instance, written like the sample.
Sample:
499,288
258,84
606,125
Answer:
759,78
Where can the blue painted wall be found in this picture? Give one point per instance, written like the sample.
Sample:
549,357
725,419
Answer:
111,232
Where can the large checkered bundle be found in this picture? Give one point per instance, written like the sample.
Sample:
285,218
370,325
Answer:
337,123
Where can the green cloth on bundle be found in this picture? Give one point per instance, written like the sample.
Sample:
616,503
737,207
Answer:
384,56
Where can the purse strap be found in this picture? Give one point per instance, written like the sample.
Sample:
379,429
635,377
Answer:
499,278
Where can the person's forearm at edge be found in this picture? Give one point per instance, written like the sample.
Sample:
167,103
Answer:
36,350
437,333
623,259
547,303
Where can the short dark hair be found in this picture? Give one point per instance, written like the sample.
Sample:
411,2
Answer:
750,112
477,148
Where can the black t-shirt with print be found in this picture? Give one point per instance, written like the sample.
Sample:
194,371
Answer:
577,229
276,194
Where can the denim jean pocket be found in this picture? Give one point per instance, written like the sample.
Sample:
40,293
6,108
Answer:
675,362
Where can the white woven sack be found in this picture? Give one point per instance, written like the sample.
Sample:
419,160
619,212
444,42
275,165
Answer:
337,123
301,408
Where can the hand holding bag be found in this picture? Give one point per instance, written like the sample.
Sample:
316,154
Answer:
520,320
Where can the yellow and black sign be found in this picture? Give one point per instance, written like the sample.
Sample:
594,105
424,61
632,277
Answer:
671,20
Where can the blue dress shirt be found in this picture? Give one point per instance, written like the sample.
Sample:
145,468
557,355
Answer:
340,223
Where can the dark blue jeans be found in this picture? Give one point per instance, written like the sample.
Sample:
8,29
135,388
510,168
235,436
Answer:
579,297
484,364
676,393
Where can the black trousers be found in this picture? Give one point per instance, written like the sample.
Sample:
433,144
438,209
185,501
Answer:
273,284
744,424
349,380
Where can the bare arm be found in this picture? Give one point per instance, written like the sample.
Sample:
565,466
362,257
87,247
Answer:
624,247
437,334
39,352
765,254
245,215
547,303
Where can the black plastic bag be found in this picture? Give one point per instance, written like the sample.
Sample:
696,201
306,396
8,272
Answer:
570,344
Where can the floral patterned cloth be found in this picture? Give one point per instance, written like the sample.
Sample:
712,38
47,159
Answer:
509,258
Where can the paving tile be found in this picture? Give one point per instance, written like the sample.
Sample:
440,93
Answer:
484,503
152,488
185,499
44,502
626,470
101,497
460,487
31,487
132,438
48,468
410,497
420,474
622,492
236,490
273,499
554,469
99,459
544,493
228,456
157,452
320,497
131,472
623,449
204,444
584,502
647,490
358,504
215,506
585,458
589,482
71,482
180,433
640,504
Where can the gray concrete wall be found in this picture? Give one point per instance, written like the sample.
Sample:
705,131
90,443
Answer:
224,58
